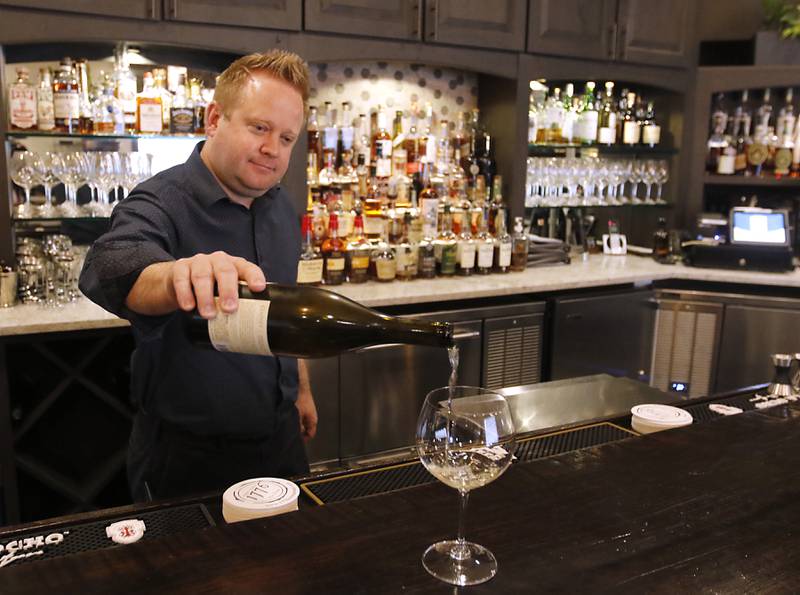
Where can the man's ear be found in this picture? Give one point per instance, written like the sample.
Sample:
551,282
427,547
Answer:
212,117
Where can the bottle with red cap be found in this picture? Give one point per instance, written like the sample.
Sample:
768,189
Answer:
309,267
333,254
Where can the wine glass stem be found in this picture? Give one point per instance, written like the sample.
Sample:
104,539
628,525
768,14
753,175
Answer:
460,551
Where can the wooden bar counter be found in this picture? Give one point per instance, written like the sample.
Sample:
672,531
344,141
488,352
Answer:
714,507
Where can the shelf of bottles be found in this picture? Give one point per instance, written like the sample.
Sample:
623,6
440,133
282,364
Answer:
81,123
405,186
594,149
754,139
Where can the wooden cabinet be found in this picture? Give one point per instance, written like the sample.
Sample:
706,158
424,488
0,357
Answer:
578,28
395,19
133,9
658,32
499,24
265,14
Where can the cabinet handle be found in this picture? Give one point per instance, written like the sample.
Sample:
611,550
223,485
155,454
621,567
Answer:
430,26
612,41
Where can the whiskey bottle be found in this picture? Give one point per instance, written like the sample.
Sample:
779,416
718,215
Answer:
149,117
307,322
357,253
484,244
181,112
310,265
66,99
333,253
385,262
382,149
465,252
519,247
502,245
446,246
160,85
406,253
661,251
44,102
85,125
22,107
199,105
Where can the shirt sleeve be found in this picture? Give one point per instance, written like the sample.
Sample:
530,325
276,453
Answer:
141,234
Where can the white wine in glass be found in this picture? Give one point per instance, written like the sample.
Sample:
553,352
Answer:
466,439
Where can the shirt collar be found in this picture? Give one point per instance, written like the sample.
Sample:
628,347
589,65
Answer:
206,188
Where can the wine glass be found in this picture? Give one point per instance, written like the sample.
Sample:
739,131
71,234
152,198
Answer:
662,177
466,439
48,179
24,174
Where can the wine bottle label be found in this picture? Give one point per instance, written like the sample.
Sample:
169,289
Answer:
485,255
46,111
607,136
22,106
726,164
244,331
181,120
589,126
407,261
630,132
504,258
651,135
447,259
335,264
386,268
150,116
373,225
359,262
465,255
757,154
309,271
740,163
67,106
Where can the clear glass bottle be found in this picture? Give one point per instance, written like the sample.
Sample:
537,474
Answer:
484,244
85,125
181,112
160,84
199,104
149,117
651,131
333,253
465,252
519,246
406,253
385,262
44,102
502,245
358,253
588,118
310,265
631,131
382,149
607,122
66,99
22,108
108,116
125,88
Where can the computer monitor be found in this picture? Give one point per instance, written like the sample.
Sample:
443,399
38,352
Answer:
753,226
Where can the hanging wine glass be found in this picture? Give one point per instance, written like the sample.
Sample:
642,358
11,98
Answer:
466,439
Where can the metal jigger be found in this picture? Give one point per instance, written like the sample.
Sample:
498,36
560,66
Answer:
781,385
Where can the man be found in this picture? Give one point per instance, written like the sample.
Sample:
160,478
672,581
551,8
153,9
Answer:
207,419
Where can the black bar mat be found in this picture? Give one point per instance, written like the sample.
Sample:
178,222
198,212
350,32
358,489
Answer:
703,413
360,484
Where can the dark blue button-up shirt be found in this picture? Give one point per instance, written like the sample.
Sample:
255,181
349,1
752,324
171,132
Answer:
178,213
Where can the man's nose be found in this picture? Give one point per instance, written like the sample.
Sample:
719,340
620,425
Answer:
270,145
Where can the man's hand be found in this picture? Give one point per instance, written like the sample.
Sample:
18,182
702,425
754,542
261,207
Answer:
306,408
189,282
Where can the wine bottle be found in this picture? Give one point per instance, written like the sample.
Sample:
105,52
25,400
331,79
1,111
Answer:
307,322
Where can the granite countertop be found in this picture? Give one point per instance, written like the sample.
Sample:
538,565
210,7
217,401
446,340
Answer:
597,271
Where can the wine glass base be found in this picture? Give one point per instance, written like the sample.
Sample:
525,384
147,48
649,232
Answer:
460,564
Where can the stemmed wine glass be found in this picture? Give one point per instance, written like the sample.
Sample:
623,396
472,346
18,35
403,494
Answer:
48,179
24,174
466,439
662,177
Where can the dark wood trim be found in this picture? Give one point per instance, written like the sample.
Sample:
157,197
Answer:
8,467
6,239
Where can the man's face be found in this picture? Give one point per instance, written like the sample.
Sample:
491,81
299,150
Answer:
248,150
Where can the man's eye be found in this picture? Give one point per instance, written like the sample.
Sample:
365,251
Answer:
259,128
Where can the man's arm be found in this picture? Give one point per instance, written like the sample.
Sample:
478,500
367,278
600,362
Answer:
163,287
305,403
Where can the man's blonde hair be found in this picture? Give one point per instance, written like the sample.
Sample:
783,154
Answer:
283,65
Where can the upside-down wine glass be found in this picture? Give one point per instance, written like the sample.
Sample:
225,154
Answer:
466,439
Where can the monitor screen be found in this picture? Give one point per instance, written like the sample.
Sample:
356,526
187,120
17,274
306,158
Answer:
759,227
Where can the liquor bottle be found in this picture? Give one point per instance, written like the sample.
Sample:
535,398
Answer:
22,109
328,176
651,131
570,114
362,175
149,119
108,116
46,117
199,104
160,85
661,241
347,172
310,265
357,253
496,205
362,143
399,153
519,247
716,141
484,244
553,118
385,262
502,245
607,122
465,252
446,246
795,167
85,125
757,152
460,137
313,134
125,88
333,250
181,112
785,122
487,164
588,118
411,144
630,126
382,149
307,322
764,114
406,253
66,100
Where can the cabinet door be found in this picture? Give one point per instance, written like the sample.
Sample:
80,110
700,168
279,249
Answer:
749,336
396,19
266,14
604,334
580,28
656,31
133,9
499,24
